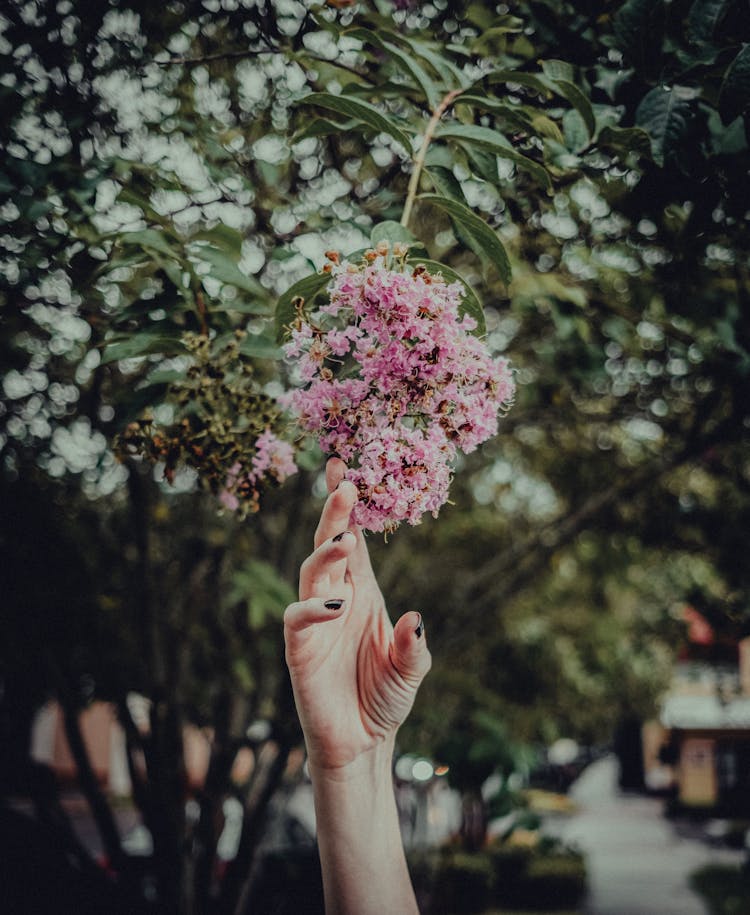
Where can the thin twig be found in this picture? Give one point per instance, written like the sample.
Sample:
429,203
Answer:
422,154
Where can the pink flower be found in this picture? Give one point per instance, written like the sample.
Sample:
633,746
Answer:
395,383
273,459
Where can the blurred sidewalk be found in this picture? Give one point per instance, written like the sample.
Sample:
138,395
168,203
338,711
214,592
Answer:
637,864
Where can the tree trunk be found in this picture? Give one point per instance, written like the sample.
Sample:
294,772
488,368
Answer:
473,821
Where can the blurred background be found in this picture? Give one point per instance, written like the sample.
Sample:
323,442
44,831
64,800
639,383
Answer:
583,740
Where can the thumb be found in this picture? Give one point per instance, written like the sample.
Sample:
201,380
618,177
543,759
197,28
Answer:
410,655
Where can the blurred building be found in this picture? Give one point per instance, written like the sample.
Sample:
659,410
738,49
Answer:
699,749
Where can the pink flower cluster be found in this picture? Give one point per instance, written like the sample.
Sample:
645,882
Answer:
395,384
273,458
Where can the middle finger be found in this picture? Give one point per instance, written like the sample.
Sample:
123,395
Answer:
326,566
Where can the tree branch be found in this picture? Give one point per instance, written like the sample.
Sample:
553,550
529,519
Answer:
235,889
501,578
421,155
89,784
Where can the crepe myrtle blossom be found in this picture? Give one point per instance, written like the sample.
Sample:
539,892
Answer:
273,460
393,381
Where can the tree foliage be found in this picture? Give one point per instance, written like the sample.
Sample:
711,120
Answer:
183,170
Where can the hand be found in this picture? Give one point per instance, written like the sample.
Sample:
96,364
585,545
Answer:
354,676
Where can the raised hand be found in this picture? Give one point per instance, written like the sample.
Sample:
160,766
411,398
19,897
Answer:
354,675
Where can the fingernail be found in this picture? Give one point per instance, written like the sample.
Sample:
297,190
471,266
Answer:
420,627
340,536
334,604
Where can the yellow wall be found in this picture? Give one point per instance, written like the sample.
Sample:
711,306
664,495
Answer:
697,771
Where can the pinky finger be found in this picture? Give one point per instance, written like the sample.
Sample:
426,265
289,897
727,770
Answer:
306,613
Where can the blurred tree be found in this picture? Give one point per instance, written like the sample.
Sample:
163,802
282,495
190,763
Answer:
180,169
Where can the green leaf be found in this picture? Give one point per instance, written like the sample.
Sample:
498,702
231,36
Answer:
306,288
729,140
160,377
515,116
734,95
484,239
388,89
391,231
445,69
558,70
639,33
264,592
148,240
528,80
361,111
127,195
223,237
470,304
407,62
256,346
610,80
576,134
330,70
143,344
174,273
571,93
447,186
321,127
545,126
243,673
445,183
625,140
308,455
225,269
607,116
704,19
504,25
524,118
484,164
243,306
492,140
33,209
665,114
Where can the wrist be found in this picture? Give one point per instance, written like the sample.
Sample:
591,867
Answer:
369,766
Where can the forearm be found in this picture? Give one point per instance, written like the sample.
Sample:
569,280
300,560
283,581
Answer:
361,852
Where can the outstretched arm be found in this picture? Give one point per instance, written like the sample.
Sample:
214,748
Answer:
355,677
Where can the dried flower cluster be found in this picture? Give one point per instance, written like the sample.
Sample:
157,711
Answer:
225,428
395,383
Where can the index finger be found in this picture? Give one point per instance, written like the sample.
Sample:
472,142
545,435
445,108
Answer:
359,561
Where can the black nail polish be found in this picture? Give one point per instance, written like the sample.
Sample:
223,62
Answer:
340,536
420,627
334,604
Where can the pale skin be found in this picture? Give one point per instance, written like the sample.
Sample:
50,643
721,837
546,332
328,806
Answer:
354,677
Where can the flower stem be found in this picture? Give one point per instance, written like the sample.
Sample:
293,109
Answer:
421,155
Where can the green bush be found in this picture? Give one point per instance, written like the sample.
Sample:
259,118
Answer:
551,877
509,864
725,889
463,884
558,881
499,876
